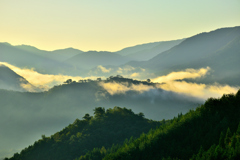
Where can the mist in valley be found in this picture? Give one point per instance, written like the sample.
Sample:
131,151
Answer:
47,91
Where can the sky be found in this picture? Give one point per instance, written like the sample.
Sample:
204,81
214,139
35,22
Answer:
110,25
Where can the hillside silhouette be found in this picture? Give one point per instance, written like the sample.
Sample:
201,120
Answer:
48,112
219,49
191,135
11,81
108,127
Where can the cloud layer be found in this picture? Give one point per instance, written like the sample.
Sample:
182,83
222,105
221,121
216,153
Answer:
186,74
121,88
168,82
103,69
202,91
43,81
174,82
125,71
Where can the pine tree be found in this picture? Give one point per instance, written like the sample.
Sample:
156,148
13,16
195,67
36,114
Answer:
238,130
227,137
221,140
234,140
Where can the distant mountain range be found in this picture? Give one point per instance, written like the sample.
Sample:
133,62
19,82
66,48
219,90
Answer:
194,51
92,59
26,56
73,61
24,116
148,53
219,50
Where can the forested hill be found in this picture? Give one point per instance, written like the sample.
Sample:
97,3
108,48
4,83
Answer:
186,135
211,131
105,128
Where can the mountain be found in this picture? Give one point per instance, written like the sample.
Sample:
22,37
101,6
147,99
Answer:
92,59
31,49
209,128
219,49
108,127
64,54
11,81
73,61
185,136
147,54
210,132
30,115
57,55
27,58
225,62
137,48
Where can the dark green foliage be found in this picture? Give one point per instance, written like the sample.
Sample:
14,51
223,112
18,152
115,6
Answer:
106,128
227,139
209,132
231,149
194,134
221,140
99,112
87,117
238,130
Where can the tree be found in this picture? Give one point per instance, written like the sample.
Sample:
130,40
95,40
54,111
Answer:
238,130
141,114
87,117
234,140
221,140
99,79
99,112
227,137
68,81
148,80
44,137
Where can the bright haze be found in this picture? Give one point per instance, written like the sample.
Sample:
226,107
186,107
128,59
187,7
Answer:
110,25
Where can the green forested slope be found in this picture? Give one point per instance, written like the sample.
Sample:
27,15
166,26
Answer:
209,132
108,127
228,147
194,135
185,135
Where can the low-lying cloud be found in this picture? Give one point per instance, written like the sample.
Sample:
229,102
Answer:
103,69
42,81
121,88
186,74
125,71
174,82
203,91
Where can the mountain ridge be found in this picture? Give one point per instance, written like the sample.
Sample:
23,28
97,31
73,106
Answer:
11,81
199,129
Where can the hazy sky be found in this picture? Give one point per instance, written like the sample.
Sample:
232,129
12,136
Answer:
110,24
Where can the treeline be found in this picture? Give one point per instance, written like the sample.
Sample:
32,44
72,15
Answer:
105,128
117,78
228,147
